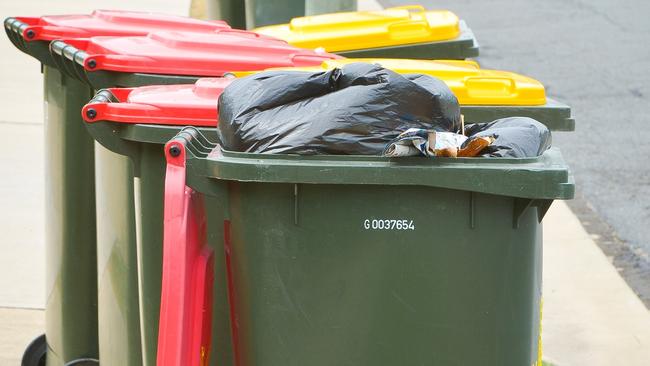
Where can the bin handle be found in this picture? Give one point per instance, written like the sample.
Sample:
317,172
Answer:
108,96
509,86
107,105
194,142
95,109
70,49
249,34
239,32
15,29
20,24
410,8
184,335
70,58
73,51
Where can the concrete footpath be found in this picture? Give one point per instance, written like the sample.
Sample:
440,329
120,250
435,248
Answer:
591,317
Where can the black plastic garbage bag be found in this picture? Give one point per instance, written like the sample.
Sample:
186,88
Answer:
357,109
515,137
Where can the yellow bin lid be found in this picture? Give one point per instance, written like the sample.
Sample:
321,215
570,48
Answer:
367,29
471,84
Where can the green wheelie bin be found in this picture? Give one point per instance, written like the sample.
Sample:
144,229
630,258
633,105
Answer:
363,260
314,7
136,122
71,314
399,32
231,11
260,12
159,58
256,13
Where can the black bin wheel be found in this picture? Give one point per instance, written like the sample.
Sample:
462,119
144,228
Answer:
35,353
83,362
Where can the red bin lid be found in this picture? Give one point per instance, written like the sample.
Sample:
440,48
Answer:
111,23
179,105
195,54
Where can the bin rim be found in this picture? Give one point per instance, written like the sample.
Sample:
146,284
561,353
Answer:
219,150
543,177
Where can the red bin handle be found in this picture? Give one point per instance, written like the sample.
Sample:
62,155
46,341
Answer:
184,335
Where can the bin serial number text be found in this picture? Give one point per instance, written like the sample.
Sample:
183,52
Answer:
388,224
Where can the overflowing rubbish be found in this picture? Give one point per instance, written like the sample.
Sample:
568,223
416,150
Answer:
514,137
364,109
354,110
414,142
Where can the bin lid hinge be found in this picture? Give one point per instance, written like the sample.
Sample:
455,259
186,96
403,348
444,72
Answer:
520,206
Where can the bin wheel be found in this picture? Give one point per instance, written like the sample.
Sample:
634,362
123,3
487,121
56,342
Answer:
35,353
83,362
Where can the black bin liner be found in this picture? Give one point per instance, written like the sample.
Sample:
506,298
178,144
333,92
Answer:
515,137
355,110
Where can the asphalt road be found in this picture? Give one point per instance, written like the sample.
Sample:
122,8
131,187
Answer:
595,56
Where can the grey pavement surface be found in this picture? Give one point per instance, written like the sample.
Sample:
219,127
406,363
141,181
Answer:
594,56
18,327
590,315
